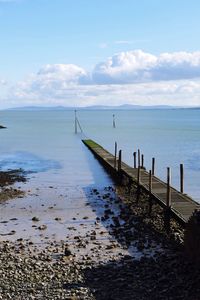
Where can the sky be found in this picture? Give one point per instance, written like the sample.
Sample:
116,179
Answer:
99,52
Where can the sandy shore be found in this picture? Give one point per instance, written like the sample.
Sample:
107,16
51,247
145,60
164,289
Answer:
61,243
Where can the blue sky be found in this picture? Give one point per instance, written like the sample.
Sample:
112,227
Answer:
83,37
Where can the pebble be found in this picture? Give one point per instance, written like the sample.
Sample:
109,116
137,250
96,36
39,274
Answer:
35,219
42,227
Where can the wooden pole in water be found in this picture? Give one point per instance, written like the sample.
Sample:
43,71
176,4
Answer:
181,178
138,176
138,158
115,161
168,202
138,184
153,166
75,122
142,158
150,182
114,125
150,192
168,188
135,158
120,161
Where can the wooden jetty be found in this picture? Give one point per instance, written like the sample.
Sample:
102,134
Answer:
178,205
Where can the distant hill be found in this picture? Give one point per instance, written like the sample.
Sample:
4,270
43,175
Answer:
93,107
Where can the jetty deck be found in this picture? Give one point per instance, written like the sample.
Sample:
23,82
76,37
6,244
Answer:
181,205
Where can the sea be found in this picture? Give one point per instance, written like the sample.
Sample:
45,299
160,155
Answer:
44,144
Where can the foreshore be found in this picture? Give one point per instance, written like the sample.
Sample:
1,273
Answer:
102,245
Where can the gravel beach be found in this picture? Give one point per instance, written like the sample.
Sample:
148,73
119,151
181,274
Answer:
108,248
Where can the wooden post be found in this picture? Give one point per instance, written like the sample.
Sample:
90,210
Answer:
120,161
142,158
150,182
168,202
138,176
138,158
115,159
150,192
138,184
168,188
135,157
181,178
153,166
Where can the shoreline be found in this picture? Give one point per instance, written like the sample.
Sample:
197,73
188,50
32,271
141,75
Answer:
109,249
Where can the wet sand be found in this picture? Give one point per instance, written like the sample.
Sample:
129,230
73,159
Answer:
60,242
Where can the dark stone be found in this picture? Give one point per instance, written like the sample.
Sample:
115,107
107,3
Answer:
67,252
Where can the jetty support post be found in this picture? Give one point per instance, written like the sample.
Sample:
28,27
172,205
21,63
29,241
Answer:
120,166
181,179
115,159
138,183
135,158
139,158
142,161
150,192
120,161
167,211
153,166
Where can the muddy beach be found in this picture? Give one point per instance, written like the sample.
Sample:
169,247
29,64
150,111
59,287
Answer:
101,246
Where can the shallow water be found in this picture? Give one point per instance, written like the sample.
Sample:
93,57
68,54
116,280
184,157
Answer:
44,142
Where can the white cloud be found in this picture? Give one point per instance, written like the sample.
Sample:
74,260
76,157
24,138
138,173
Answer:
139,66
62,74
152,93
133,77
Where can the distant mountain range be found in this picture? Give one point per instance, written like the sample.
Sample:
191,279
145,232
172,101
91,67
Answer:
95,107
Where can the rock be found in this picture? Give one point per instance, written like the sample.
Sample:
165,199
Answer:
35,219
12,232
67,252
42,227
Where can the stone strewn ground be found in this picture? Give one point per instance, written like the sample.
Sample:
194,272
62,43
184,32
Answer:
7,179
137,260
167,277
10,177
26,273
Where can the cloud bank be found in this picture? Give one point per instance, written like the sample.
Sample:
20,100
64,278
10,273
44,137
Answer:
135,77
138,66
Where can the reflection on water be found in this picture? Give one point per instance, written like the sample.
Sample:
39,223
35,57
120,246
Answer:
28,162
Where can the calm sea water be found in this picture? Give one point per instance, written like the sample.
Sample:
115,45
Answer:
44,142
